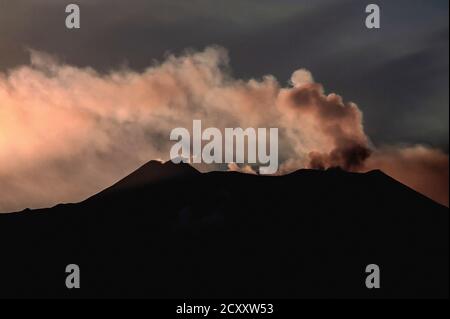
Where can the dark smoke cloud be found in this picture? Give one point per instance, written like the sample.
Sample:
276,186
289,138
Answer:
340,121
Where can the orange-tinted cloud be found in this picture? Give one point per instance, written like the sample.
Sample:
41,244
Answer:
68,132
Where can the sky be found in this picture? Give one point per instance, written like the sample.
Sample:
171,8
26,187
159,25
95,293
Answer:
245,51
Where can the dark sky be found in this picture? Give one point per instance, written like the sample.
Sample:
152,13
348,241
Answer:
398,75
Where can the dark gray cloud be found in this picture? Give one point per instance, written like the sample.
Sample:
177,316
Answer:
398,75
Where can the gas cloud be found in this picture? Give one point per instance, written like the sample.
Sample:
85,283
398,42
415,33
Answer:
68,132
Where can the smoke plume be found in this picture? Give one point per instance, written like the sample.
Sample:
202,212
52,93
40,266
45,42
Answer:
68,132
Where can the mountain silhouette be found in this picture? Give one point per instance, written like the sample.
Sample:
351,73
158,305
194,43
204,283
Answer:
153,172
167,230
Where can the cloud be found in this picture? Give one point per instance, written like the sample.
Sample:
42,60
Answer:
338,123
67,132
301,77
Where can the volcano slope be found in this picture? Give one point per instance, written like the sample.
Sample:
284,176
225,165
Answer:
169,231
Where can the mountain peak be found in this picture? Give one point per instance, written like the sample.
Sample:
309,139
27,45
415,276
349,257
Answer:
152,172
